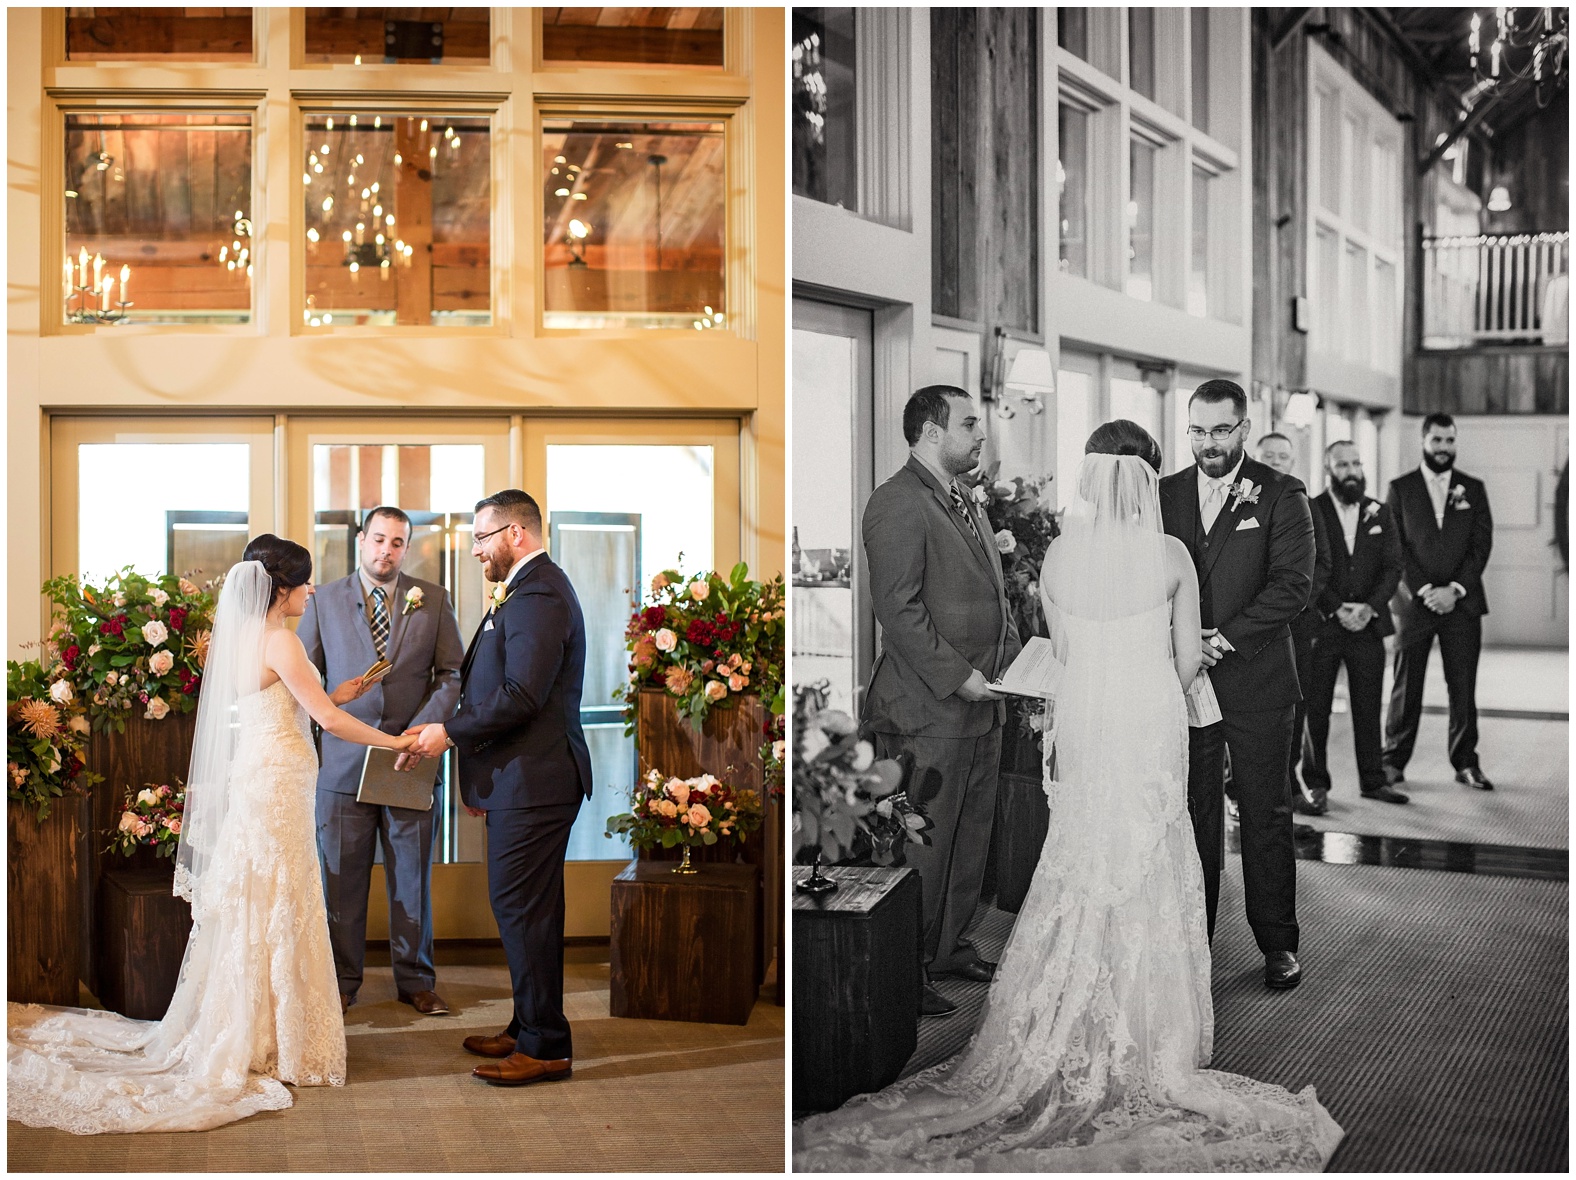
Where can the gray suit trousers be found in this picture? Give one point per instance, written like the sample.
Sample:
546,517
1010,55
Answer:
954,783
348,833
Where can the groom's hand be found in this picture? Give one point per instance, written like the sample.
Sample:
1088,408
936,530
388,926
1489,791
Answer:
431,740
1210,651
977,688
407,761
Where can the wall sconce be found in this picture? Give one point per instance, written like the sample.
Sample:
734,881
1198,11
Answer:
1028,380
1301,409
1499,199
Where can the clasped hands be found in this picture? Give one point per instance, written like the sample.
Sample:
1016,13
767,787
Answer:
1439,599
1354,616
427,741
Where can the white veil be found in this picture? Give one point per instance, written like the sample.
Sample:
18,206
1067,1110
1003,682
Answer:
234,669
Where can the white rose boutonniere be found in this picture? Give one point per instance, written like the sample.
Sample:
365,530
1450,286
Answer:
1458,498
1244,491
1371,511
413,600
500,595
979,495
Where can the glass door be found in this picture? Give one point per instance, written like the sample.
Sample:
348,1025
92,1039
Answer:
833,457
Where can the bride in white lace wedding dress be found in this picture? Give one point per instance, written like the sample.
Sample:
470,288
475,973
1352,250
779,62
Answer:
257,1004
1090,1051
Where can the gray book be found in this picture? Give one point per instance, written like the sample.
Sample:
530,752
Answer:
387,787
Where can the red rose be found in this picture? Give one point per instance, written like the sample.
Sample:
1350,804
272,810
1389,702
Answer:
653,617
177,618
69,656
701,633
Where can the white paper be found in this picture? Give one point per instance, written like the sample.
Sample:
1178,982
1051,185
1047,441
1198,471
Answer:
1035,673
1202,706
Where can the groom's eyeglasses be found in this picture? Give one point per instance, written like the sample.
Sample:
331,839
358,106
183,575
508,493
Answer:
1218,433
477,537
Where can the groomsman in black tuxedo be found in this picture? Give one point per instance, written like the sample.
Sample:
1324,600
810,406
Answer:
1354,612
1251,537
1446,533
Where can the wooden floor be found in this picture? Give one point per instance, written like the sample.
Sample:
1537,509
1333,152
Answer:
410,1104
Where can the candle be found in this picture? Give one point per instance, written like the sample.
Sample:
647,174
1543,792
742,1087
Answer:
82,280
98,269
125,278
109,283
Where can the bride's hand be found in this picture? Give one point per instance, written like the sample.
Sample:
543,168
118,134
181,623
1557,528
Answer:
348,691
404,743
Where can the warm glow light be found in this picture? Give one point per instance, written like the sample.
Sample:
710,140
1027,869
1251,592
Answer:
331,122
312,234
328,203
424,124
346,235
579,197
378,121
560,192
579,229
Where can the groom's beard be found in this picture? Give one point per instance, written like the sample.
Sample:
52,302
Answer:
1439,462
1216,461
1349,490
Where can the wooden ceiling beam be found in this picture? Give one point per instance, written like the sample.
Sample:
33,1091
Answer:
130,38
593,43
344,37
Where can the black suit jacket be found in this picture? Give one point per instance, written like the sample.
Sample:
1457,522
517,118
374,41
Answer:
1368,574
1255,574
518,727
1435,556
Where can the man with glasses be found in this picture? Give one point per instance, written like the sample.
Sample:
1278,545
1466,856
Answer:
379,613
1251,536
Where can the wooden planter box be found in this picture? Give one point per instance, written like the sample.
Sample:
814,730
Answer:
682,947
43,905
143,931
1021,825
148,752
729,747
857,977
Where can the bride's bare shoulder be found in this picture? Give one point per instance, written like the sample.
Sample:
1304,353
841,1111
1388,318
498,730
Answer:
1179,562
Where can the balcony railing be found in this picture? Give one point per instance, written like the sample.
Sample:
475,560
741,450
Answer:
1495,289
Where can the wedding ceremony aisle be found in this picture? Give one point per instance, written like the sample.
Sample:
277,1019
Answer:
410,1104
1432,1018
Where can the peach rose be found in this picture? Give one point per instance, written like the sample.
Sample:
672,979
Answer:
659,582
155,632
678,790
174,825
738,683
128,821
158,709
669,808
716,690
666,640
699,817
161,661
700,591
187,587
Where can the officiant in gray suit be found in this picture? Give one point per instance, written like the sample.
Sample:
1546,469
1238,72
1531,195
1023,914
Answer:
379,613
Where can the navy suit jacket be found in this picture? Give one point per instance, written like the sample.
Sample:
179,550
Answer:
518,730
1255,575
1368,574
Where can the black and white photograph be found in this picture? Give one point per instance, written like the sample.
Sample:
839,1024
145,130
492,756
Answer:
1179,589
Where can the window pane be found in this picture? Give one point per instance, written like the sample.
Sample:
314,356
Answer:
1366,436
613,528
1387,337
1141,222
158,219
1136,402
1072,176
1072,30
398,216
651,36
1327,112
1074,393
1141,50
825,130
364,36
1356,301
1200,25
1198,272
1327,300
633,225
1354,142
188,510
159,34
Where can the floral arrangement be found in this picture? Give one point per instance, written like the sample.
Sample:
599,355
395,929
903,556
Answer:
705,639
151,818
134,641
847,802
46,727
667,812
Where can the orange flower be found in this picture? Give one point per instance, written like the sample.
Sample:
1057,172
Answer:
40,718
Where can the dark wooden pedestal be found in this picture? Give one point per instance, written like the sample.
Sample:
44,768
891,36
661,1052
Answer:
143,928
856,980
1022,823
43,905
683,946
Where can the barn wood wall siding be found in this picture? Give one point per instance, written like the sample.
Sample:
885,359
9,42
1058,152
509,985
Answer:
1511,380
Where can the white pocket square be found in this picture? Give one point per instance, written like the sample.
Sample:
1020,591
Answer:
489,625
1375,529
1251,523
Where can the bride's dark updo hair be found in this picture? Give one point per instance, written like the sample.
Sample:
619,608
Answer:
288,565
1122,437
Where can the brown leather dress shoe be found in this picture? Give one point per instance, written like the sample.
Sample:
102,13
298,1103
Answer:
345,1002
496,1046
519,1070
427,1003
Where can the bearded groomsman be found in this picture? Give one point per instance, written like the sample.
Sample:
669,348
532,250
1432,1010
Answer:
936,585
1354,609
1251,537
1446,533
379,613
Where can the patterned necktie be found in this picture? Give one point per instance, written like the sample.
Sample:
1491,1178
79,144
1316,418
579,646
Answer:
380,621
1212,502
963,511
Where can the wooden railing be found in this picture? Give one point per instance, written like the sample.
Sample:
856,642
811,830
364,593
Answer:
1495,288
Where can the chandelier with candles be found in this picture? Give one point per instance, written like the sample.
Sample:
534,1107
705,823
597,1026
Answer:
90,290
1528,45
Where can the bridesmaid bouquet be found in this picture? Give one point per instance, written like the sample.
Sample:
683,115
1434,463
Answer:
151,818
667,812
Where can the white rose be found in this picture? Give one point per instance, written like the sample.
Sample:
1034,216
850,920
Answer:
112,678
148,797
155,632
128,820
1005,541
161,662
54,763
158,709
779,748
120,600
94,650
666,640
158,596
700,591
79,724
60,691
864,755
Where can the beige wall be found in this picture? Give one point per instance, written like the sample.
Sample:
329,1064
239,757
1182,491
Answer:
511,368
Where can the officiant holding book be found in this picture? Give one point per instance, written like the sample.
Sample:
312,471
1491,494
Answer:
378,615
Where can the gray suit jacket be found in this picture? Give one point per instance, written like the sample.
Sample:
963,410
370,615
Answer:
942,604
424,646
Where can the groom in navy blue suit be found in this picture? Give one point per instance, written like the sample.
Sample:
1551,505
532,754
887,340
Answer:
525,765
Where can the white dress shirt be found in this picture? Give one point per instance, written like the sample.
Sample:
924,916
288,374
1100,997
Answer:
1213,493
1438,491
520,565
1350,517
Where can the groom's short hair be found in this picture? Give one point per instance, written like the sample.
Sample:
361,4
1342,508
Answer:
1218,389
514,505
929,404
387,510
